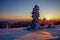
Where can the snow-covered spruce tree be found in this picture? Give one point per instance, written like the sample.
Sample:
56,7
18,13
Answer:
35,15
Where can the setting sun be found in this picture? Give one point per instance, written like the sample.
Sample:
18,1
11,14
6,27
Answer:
48,18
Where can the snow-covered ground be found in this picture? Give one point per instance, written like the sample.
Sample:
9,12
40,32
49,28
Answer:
22,34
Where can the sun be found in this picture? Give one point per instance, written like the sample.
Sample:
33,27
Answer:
48,18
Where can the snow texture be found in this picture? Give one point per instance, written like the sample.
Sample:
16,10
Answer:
22,34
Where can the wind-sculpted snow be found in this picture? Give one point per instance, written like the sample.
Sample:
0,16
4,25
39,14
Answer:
22,34
39,35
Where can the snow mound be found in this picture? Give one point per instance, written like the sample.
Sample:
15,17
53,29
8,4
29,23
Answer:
40,35
22,34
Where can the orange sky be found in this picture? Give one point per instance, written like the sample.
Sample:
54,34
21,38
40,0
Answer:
29,18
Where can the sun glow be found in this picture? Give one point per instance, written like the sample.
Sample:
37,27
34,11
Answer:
48,18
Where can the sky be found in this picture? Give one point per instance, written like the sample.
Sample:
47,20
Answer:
21,9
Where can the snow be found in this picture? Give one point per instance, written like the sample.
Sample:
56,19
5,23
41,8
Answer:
22,34
40,35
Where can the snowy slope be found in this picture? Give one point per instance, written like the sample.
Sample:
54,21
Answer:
21,34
